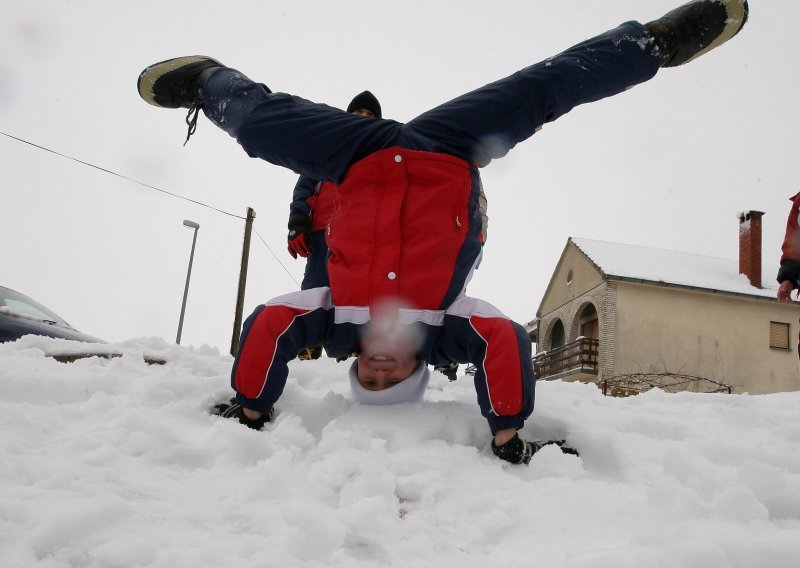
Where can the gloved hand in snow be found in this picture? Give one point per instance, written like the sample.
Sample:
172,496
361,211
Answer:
236,411
520,451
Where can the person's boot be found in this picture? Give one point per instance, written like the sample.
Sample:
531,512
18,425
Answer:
310,353
174,83
697,27
177,83
450,371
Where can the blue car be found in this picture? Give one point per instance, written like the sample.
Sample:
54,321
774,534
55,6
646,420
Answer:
20,315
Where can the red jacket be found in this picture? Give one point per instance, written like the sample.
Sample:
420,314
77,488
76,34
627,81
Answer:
322,204
414,216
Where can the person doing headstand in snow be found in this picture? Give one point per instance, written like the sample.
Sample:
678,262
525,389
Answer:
404,237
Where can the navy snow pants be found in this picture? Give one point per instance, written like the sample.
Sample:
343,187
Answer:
322,142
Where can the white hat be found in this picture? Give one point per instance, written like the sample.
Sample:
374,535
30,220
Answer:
411,389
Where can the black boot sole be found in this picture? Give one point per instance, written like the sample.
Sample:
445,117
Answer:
172,83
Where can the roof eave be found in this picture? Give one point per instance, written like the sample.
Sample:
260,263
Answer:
661,283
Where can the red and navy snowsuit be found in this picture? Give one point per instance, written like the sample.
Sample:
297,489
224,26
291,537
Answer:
406,223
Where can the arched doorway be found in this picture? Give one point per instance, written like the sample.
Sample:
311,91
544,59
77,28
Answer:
557,336
588,322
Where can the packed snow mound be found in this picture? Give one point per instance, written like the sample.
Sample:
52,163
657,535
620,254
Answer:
114,462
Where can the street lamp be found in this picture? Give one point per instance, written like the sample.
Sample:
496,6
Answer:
195,226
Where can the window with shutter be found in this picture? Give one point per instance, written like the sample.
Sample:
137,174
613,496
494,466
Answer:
778,335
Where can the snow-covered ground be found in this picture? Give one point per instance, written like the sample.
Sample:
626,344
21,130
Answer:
116,463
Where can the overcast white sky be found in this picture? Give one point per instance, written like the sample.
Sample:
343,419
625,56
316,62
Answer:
668,164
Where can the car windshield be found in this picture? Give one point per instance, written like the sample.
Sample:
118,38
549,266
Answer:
19,305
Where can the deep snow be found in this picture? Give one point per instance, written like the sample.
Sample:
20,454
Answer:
113,462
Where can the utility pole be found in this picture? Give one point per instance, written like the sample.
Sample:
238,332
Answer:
237,319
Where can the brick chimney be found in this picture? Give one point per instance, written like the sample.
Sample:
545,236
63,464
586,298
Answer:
750,246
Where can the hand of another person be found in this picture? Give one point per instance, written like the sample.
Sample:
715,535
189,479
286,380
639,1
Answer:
785,292
299,237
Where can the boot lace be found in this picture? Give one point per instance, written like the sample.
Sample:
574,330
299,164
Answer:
191,116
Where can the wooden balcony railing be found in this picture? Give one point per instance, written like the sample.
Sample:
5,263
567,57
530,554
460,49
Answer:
579,356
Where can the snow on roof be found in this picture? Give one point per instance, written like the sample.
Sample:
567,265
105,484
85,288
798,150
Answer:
672,267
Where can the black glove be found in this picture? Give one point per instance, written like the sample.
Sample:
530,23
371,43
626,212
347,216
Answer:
517,450
299,235
234,410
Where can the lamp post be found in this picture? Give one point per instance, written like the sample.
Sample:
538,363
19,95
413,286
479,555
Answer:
195,226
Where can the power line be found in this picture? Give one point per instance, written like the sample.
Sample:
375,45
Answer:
276,257
150,187
113,173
